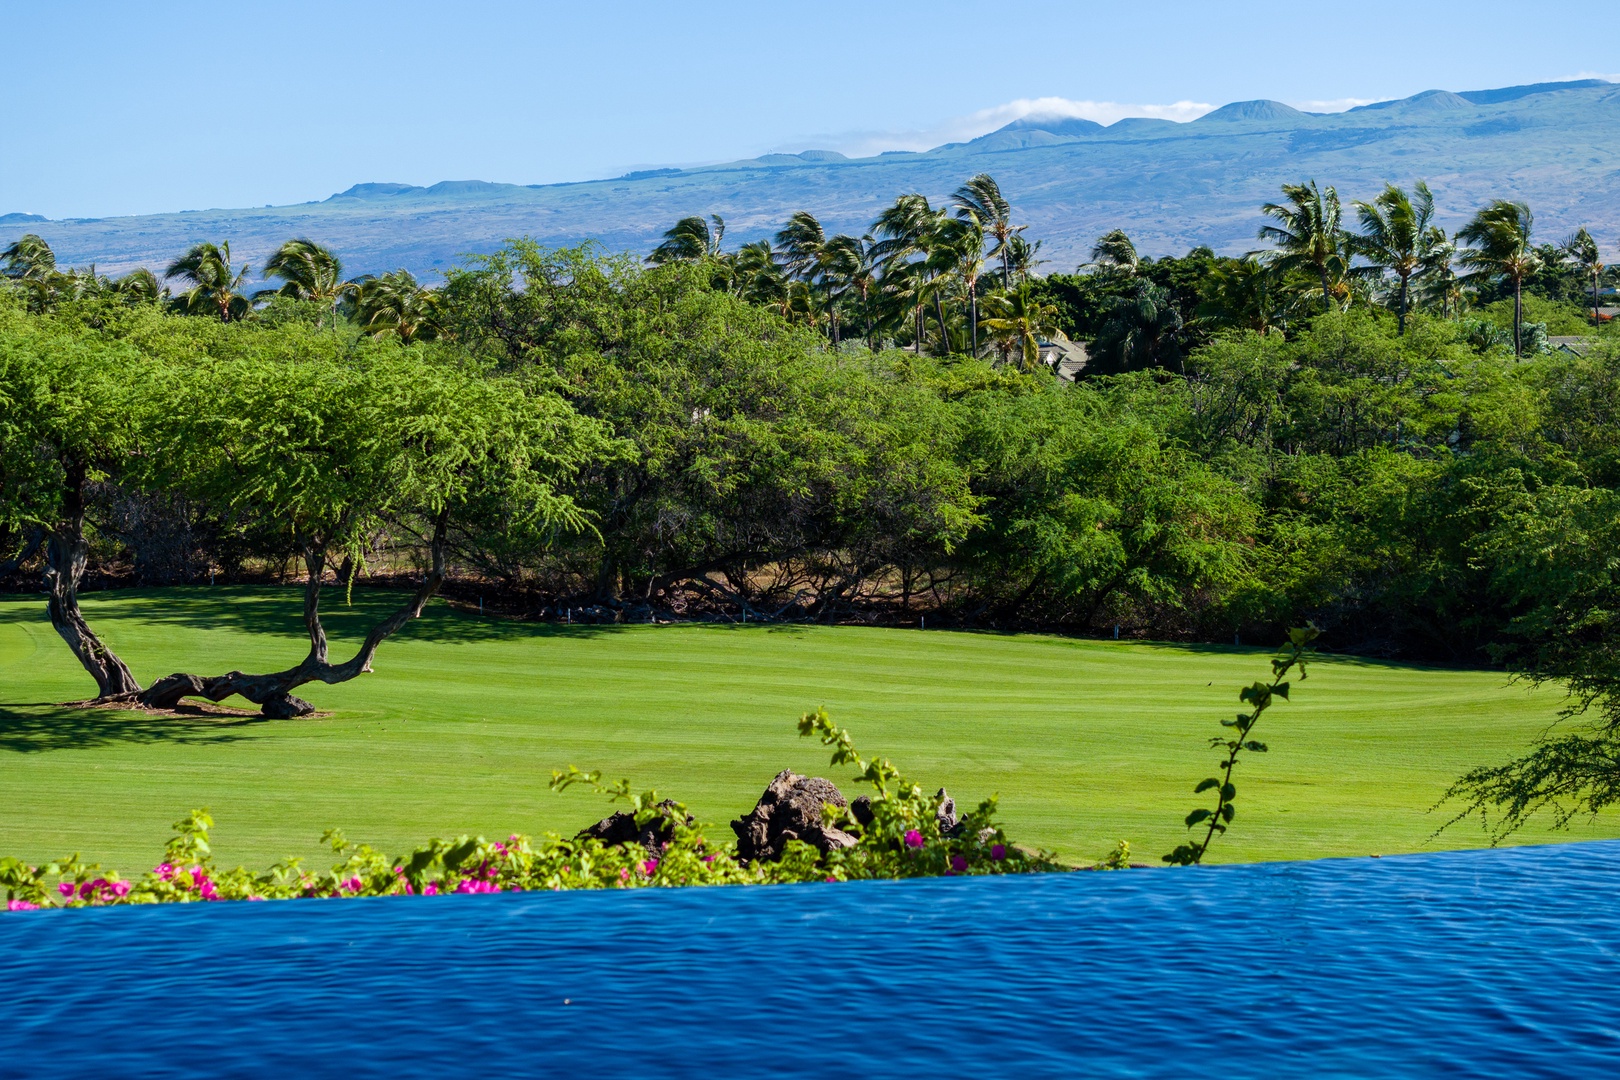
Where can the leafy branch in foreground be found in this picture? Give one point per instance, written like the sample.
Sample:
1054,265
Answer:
1260,696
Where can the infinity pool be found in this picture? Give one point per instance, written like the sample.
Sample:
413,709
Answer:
1497,963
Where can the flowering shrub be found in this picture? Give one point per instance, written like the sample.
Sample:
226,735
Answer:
904,838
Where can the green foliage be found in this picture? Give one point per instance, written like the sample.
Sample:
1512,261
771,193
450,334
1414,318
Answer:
904,839
1259,697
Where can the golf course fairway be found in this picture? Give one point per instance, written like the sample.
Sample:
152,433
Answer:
458,729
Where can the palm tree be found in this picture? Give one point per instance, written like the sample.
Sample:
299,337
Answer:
140,286
1437,279
308,271
1140,329
1394,229
30,258
1114,251
759,275
1308,234
961,246
1020,321
1583,252
852,269
1243,294
690,240
981,200
1023,257
215,286
910,229
394,305
1499,247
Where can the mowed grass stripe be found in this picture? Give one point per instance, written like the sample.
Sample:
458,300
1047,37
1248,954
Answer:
458,729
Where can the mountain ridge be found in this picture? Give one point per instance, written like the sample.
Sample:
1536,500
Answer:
1171,185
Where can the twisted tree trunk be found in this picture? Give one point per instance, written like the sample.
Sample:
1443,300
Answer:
65,554
273,692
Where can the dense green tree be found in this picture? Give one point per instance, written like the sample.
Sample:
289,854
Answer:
64,425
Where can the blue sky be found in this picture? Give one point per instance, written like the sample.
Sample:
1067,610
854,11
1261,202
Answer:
118,108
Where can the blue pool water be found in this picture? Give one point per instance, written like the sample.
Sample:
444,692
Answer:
1496,963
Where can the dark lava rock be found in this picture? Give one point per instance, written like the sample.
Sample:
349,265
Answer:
861,809
620,828
790,809
285,707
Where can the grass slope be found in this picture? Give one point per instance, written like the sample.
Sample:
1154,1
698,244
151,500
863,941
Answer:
457,730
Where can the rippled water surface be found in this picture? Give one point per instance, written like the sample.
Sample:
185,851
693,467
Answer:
1499,963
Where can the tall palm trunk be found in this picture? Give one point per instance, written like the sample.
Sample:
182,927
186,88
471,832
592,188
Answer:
1327,300
1518,316
1400,313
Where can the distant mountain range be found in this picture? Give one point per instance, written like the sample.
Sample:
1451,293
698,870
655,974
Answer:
1170,185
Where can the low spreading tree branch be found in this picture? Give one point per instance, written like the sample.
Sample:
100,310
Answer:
273,692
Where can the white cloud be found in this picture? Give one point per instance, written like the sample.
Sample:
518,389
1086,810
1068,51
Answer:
984,121
1333,105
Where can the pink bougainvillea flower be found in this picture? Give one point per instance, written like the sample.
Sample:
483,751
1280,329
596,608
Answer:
831,879
624,875
353,884
66,888
164,871
431,889
913,838
958,863
119,888
21,905
649,866
998,851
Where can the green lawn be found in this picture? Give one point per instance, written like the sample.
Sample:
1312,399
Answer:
459,727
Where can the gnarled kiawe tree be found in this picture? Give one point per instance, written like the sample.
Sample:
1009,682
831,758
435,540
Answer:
346,443
64,398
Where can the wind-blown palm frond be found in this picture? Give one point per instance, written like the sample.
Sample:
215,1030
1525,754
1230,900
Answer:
215,286
308,271
690,240
1308,235
1582,250
1498,239
1394,228
981,200
1115,251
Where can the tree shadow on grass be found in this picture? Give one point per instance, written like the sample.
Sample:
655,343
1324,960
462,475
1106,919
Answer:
39,728
277,612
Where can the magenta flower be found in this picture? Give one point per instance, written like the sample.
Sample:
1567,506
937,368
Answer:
66,888
624,875
119,888
431,889
998,851
21,905
913,838
958,863
831,879
649,866
353,884
164,871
